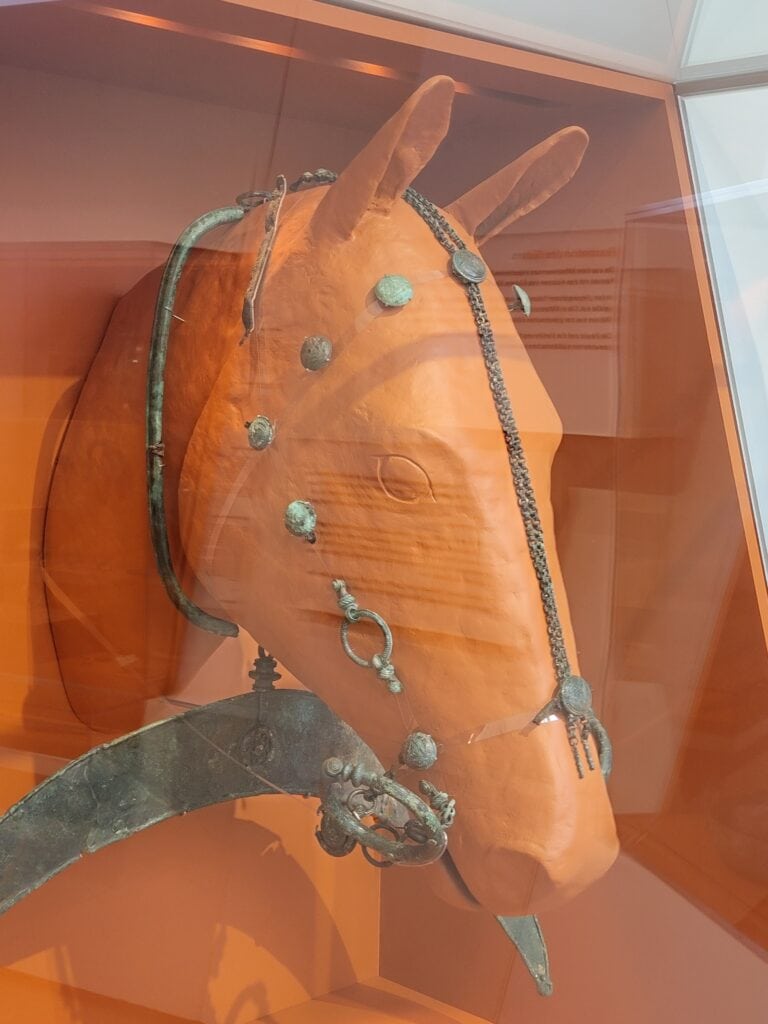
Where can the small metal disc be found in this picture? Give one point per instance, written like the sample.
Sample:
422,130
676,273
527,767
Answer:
261,432
392,290
316,352
522,301
301,519
418,751
576,695
333,766
468,266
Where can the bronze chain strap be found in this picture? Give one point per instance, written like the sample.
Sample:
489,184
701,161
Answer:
573,697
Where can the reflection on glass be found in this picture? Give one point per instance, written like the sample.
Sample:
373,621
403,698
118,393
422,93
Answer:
128,122
732,180
721,30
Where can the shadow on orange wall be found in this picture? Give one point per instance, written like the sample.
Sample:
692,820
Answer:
225,915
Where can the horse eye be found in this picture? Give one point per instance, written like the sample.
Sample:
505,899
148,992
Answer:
402,479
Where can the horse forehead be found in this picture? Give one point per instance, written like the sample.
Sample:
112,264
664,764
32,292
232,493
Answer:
416,382
330,290
400,377
317,273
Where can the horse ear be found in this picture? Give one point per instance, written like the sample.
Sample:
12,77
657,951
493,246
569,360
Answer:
377,176
521,186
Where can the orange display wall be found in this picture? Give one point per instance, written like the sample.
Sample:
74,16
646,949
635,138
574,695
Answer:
123,124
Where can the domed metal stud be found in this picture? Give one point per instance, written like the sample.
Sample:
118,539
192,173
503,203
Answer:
392,290
521,301
468,266
418,751
316,352
301,519
261,432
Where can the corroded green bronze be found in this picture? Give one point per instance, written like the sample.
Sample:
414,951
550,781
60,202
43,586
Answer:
468,266
158,354
389,841
392,290
522,301
301,519
316,352
261,432
526,934
263,742
574,702
418,751
380,662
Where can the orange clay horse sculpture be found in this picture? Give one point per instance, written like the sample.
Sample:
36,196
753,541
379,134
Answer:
333,456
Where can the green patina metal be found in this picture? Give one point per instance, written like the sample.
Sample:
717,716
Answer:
574,702
262,742
158,355
393,290
526,934
300,519
468,266
418,751
316,352
261,432
340,805
379,662
522,301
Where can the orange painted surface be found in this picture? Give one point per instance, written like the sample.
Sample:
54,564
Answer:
57,302
375,1001
654,536
25,998
232,912
235,910
628,949
397,444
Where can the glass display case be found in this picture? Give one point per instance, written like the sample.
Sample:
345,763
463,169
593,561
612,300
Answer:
376,374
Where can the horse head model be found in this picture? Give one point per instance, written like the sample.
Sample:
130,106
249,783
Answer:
349,457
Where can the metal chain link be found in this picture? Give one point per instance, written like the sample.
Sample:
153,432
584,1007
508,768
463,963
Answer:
521,477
